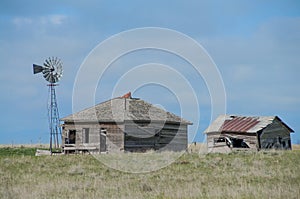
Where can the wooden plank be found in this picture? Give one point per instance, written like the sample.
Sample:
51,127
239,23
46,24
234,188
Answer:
79,148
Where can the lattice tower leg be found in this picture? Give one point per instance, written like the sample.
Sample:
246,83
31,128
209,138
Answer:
53,115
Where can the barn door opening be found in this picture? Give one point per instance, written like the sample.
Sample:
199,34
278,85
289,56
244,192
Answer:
103,140
239,143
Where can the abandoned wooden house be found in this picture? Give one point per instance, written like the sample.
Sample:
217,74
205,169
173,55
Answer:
231,132
123,124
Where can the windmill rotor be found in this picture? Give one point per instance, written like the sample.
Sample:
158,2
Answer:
51,69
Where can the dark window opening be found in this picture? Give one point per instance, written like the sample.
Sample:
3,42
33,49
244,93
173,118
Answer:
290,144
218,140
231,142
238,143
222,140
72,137
86,135
103,132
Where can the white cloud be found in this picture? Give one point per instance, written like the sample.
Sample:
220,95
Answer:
54,19
57,19
20,21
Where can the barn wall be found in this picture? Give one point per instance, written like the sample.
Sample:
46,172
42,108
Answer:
144,136
114,136
215,148
275,135
173,139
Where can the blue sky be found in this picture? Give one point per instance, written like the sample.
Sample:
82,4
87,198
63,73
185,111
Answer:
255,45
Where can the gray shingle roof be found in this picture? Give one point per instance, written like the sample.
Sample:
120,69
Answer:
124,109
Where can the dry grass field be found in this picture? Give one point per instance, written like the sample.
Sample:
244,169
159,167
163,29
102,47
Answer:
264,174
296,147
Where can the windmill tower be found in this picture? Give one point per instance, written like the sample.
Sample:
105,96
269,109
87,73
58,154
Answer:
52,72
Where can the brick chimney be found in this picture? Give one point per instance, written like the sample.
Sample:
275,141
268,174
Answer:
127,95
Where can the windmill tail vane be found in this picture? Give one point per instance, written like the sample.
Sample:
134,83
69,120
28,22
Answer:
37,69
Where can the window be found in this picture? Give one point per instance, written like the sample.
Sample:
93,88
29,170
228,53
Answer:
230,142
72,137
102,139
219,139
86,135
222,141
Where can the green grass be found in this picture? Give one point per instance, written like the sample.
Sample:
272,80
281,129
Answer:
20,151
273,174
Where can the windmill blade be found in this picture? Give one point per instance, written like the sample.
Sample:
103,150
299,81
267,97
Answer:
59,70
55,78
47,75
47,65
59,76
48,61
37,68
52,61
49,78
46,70
56,61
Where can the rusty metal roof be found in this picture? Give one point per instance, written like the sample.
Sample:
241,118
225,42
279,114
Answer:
239,124
242,124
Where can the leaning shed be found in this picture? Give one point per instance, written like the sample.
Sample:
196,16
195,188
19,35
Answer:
230,132
123,124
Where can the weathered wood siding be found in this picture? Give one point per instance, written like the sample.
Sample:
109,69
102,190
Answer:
215,148
114,136
138,136
275,135
156,136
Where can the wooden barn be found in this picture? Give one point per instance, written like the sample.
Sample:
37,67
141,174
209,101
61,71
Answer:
231,132
123,124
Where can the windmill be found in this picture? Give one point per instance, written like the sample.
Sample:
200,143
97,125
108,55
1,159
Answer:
52,72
